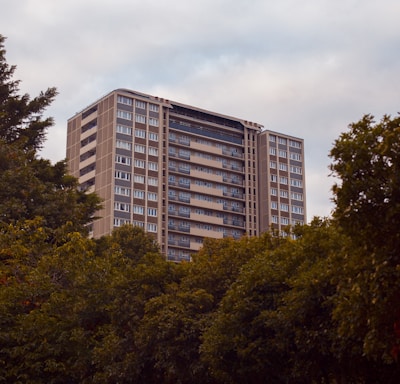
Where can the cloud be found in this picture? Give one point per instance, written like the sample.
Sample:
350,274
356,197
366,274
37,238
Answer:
304,68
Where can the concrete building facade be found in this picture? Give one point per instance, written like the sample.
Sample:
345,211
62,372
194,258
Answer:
184,173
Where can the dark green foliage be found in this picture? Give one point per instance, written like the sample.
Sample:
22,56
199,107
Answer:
30,186
367,160
21,120
321,307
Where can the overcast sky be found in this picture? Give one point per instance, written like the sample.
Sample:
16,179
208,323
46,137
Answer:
305,68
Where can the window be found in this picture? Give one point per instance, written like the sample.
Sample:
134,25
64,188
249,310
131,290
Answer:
183,139
122,175
123,160
124,100
184,182
87,169
123,144
151,227
152,212
284,207
282,140
153,136
184,167
284,220
275,219
124,115
184,196
122,207
138,179
295,144
152,166
88,140
283,180
138,210
140,148
297,222
152,181
122,191
87,154
184,153
140,119
284,193
140,133
172,194
272,151
185,211
295,169
153,151
297,210
138,194
153,107
153,121
138,224
140,104
124,129
283,167
274,178
282,153
296,183
272,138
153,196
295,156
274,192
297,196
272,164
140,163
274,205
118,222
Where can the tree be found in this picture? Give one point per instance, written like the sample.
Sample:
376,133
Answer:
366,159
240,344
69,313
20,117
31,186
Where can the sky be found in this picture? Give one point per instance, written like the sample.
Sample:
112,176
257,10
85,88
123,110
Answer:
304,68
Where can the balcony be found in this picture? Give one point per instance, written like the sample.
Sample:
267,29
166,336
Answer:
183,243
237,209
184,214
184,185
184,228
184,141
237,155
184,199
184,170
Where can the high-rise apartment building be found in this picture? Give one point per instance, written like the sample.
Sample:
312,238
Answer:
184,173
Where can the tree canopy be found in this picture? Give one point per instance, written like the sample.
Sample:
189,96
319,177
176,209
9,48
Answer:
30,186
319,304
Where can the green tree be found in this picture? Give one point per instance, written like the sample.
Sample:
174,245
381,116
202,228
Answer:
366,159
31,186
240,344
69,313
143,275
169,337
218,263
20,117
